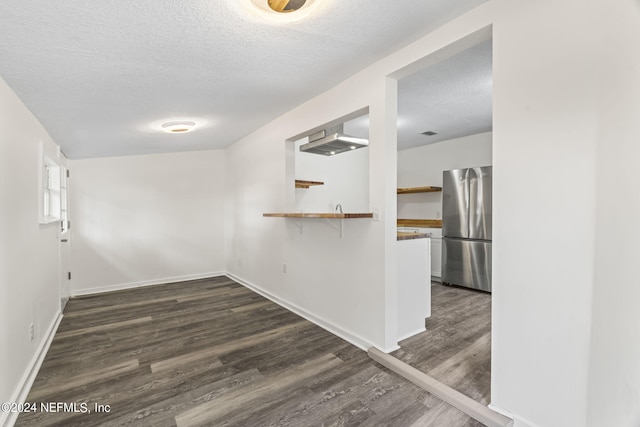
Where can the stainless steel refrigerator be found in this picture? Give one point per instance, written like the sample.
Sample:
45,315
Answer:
466,227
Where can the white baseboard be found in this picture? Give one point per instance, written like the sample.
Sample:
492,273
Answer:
500,410
517,421
390,349
8,419
410,334
335,330
131,285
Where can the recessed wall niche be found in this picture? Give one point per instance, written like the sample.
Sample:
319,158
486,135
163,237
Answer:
328,183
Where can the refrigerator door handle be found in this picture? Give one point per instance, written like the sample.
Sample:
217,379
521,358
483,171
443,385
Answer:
480,210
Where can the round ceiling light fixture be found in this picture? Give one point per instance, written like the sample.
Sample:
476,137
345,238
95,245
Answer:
178,126
286,6
279,11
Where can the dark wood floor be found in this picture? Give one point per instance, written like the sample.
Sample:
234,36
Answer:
456,347
211,352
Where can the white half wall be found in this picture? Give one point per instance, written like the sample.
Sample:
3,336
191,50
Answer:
341,280
614,381
148,219
414,286
29,281
422,166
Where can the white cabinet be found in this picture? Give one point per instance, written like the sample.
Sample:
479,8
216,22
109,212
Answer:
435,258
414,286
436,251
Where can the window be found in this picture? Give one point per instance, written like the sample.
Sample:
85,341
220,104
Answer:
51,190
64,204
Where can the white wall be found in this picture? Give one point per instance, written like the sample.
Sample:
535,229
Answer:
614,382
422,166
345,177
338,282
544,139
544,142
146,219
28,251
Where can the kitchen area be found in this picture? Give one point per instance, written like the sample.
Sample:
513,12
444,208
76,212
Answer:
455,346
444,192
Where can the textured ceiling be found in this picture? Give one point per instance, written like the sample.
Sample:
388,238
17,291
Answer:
452,98
98,74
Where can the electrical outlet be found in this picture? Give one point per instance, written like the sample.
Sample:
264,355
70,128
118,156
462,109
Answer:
239,262
438,214
284,267
32,332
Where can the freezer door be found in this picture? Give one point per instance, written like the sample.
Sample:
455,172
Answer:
455,203
467,263
480,211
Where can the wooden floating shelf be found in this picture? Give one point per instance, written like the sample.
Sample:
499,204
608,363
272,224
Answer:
319,215
428,189
306,184
420,223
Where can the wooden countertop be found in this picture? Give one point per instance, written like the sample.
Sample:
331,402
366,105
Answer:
319,215
410,236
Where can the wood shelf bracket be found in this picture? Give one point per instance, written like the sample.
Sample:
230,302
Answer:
335,224
298,224
339,228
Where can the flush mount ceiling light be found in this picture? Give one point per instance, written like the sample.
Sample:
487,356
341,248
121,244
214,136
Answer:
279,11
286,6
178,126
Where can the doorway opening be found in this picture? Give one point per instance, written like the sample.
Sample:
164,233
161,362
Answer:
445,123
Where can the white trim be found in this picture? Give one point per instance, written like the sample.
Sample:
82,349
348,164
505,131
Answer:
391,349
352,338
49,221
517,421
410,334
131,285
8,419
500,411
